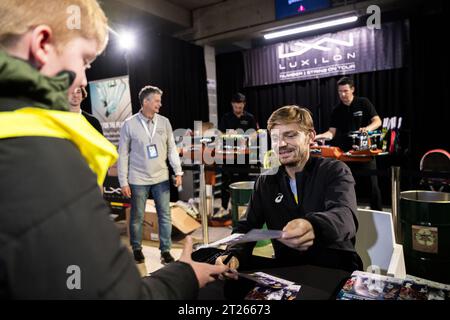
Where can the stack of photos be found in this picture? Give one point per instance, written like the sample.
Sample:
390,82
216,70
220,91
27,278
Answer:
370,286
271,288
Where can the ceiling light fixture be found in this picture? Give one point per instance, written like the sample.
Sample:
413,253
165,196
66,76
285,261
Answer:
310,27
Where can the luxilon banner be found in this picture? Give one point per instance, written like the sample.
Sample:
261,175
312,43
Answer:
350,51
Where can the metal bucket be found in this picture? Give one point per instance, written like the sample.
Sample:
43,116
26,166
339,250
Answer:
425,224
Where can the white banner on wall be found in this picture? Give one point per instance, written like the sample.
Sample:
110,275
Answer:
111,105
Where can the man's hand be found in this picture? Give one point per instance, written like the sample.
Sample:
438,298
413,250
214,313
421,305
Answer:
363,129
319,137
233,264
178,181
126,191
298,234
375,123
203,271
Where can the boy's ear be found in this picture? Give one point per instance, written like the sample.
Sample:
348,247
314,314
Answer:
40,46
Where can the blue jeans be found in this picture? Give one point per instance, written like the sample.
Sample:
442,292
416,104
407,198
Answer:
161,195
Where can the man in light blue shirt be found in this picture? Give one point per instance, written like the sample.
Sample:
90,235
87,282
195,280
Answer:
146,141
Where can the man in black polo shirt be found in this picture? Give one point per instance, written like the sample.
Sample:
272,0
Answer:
312,200
354,114
230,122
238,118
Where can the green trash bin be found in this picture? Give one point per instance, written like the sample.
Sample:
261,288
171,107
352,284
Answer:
425,225
241,193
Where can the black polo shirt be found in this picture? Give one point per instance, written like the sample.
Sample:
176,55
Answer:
230,121
325,189
350,118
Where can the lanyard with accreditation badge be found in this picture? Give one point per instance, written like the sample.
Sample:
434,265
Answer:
152,152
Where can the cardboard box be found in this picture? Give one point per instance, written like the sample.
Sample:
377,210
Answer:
180,220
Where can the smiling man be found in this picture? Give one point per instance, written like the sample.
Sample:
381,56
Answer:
311,199
146,142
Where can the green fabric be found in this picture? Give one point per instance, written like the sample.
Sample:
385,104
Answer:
263,243
19,80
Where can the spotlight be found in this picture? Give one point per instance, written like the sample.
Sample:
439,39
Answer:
127,40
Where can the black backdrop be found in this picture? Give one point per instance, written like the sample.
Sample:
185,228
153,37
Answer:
419,92
175,66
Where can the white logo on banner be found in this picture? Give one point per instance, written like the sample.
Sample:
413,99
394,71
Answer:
304,47
111,190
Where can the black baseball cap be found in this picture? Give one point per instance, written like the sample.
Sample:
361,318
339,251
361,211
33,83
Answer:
238,97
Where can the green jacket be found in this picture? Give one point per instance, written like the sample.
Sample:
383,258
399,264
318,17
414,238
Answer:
22,85
56,238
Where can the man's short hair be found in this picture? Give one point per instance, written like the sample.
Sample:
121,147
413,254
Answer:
346,80
18,16
148,91
291,114
238,97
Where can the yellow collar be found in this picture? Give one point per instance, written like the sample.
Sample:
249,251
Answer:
98,152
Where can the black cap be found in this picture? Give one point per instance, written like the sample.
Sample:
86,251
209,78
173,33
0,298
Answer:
238,97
